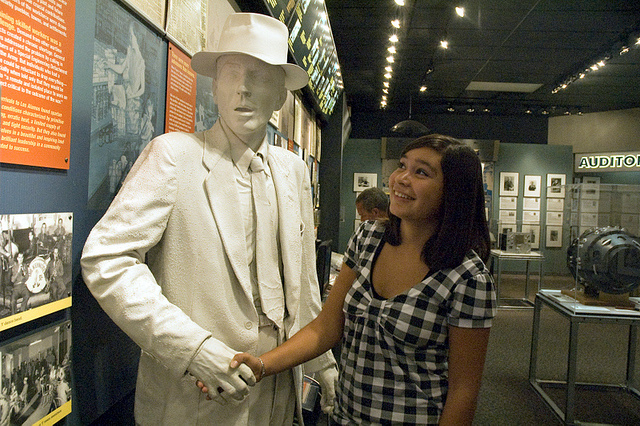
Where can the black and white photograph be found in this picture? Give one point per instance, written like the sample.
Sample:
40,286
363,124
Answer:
508,184
36,265
532,185
362,181
554,236
535,234
36,372
555,185
128,100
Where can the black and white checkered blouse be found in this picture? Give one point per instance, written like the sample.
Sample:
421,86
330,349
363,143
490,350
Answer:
394,354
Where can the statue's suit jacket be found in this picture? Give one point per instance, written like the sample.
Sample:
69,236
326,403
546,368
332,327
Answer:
168,263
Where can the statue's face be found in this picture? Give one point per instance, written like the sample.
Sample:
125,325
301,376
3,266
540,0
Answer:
247,91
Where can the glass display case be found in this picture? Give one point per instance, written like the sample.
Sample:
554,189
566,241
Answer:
601,226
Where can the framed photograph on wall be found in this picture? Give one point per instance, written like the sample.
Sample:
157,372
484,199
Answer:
507,216
532,203
555,204
535,234
508,184
508,203
531,216
532,185
362,181
555,185
554,236
555,218
590,188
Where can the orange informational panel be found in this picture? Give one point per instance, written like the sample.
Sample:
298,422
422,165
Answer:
36,74
181,93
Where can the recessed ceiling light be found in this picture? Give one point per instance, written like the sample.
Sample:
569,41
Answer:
392,49
390,59
388,68
400,2
444,44
393,38
387,75
460,11
385,83
396,23
423,88
488,86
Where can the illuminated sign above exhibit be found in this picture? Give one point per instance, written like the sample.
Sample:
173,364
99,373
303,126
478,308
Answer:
607,162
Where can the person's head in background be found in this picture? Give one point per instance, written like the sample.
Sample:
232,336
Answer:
372,204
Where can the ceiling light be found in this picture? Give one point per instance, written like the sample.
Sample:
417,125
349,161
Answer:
485,109
423,88
383,104
460,11
390,59
385,83
385,91
528,111
393,38
594,67
444,44
545,112
392,49
470,109
384,97
638,40
451,109
400,2
388,68
395,23
387,75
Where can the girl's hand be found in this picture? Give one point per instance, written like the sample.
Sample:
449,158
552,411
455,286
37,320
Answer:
255,363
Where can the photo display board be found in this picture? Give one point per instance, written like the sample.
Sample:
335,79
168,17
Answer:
311,43
35,255
36,376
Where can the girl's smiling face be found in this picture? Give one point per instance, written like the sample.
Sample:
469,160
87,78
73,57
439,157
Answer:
417,186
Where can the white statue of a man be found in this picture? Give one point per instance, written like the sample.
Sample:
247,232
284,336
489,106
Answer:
180,264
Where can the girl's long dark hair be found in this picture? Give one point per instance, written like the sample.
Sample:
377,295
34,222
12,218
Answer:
462,224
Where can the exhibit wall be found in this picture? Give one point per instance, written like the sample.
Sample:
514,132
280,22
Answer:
361,156
533,160
597,132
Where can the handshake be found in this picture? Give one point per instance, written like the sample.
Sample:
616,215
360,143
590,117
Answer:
225,376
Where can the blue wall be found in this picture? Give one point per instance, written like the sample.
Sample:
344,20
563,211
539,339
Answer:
359,156
531,159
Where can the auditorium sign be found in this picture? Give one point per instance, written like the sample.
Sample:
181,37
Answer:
607,162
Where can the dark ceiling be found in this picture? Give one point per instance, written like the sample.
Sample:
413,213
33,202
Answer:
498,41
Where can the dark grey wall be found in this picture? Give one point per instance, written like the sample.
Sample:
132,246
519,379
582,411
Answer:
512,129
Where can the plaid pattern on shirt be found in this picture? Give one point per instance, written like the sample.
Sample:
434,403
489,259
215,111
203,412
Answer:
394,351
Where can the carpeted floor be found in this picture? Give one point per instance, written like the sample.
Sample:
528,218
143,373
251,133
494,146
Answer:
507,398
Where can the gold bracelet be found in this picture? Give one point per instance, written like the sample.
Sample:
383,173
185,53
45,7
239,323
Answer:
263,370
